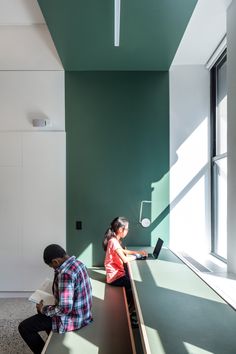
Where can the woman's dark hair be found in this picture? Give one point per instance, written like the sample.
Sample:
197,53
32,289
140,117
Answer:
118,222
53,251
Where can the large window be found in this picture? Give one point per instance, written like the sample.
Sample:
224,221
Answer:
219,157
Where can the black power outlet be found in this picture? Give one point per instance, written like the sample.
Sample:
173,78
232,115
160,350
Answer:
78,225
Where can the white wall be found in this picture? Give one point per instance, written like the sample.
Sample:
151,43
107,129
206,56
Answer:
189,129
25,47
190,204
32,160
231,73
189,159
25,95
32,205
203,34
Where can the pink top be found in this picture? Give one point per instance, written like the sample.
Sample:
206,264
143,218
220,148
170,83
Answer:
113,264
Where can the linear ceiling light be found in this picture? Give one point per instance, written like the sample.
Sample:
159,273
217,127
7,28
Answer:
117,23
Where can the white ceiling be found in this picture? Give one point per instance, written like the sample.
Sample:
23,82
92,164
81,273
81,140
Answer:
205,30
20,12
25,41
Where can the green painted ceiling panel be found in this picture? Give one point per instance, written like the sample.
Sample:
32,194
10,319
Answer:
150,32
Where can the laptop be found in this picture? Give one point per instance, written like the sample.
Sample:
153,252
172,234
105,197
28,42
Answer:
156,251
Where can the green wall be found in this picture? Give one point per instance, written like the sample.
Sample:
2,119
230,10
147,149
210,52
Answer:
117,126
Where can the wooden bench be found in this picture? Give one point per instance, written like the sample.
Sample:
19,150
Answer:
109,333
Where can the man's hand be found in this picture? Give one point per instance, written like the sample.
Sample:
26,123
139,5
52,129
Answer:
39,306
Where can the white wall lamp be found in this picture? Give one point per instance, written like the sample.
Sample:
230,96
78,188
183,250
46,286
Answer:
41,122
117,23
145,222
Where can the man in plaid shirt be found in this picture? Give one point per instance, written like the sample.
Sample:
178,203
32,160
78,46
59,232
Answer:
73,300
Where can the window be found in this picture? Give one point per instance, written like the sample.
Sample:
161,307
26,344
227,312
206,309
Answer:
219,157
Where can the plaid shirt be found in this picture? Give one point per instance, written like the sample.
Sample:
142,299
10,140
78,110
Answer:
73,294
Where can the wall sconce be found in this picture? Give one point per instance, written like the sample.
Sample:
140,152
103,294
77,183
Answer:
41,122
145,222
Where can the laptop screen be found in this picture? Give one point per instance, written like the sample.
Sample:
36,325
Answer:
158,247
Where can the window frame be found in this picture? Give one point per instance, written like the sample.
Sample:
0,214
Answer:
213,156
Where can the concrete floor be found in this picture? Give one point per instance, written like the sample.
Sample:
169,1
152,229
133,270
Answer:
12,312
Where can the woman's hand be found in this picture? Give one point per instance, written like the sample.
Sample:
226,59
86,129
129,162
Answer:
131,255
143,253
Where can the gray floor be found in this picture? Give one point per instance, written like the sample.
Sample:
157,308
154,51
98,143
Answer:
12,312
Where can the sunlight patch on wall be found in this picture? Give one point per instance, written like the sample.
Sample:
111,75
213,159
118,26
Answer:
87,255
192,157
160,209
188,220
188,192
222,125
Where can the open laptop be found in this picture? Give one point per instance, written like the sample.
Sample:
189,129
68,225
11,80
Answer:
156,251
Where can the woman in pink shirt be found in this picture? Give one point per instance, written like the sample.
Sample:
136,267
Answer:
116,257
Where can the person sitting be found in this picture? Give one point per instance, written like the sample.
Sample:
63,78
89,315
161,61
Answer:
73,300
116,259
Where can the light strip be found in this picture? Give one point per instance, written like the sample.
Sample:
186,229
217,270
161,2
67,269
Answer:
117,23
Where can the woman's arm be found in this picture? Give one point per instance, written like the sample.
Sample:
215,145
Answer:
123,257
142,252
127,255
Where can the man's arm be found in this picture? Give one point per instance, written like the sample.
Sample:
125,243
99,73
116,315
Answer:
65,297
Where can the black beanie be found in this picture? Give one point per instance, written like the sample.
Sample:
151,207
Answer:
53,251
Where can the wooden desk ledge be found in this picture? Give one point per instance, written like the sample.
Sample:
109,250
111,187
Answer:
109,333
